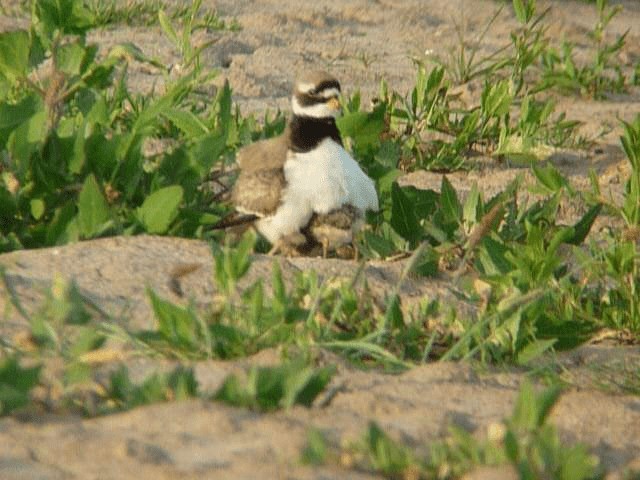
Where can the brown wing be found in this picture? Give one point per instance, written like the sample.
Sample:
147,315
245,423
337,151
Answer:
264,154
259,191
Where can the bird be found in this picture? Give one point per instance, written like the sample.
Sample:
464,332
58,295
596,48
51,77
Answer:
334,231
291,186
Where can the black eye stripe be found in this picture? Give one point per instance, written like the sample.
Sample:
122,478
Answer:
326,85
306,99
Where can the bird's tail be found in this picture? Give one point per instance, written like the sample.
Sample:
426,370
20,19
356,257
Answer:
234,220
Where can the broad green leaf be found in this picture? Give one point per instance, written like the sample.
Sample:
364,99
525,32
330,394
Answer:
393,318
449,202
87,339
403,217
93,211
533,350
77,158
178,325
15,384
14,54
160,209
363,127
206,151
550,178
69,57
425,202
388,155
496,99
8,206
63,227
66,16
37,208
186,121
129,51
270,388
386,181
470,211
303,385
385,454
582,228
315,451
491,256
379,245
12,115
26,140
525,412
225,123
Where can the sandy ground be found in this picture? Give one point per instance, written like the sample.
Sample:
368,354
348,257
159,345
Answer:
361,42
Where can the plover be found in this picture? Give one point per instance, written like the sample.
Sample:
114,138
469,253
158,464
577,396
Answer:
284,181
334,231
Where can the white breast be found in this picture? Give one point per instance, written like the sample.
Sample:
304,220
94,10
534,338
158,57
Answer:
327,178
318,181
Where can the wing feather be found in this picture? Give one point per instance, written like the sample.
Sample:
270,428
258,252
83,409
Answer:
259,192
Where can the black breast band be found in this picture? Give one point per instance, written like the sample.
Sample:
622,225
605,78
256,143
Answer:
305,133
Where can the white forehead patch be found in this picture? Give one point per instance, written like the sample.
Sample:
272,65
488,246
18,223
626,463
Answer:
305,87
330,92
317,110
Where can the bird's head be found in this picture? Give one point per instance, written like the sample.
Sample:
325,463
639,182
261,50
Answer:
316,94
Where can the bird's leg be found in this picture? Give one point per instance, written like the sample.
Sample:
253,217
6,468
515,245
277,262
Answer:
325,247
276,248
288,245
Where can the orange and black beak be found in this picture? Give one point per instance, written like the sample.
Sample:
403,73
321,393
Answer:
334,104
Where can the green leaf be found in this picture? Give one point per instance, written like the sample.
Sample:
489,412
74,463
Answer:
424,202
12,115
66,16
14,54
315,451
550,178
159,387
69,57
385,454
531,409
58,230
186,121
379,245
533,350
167,28
303,385
269,388
160,209
93,211
363,127
451,208
403,217
520,11
582,228
525,414
15,384
129,50
393,317
471,205
88,339
178,325
26,140
37,208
